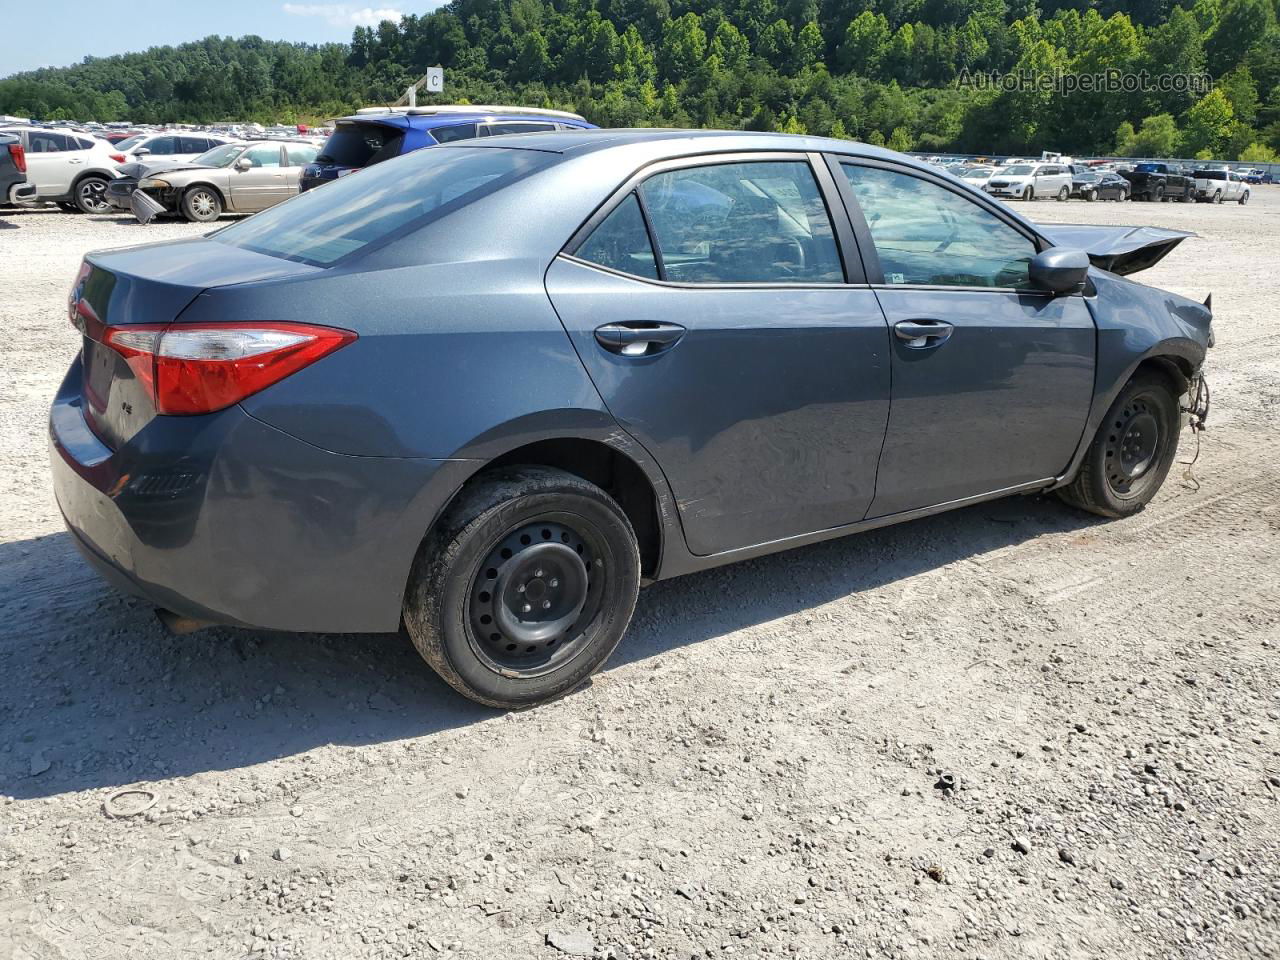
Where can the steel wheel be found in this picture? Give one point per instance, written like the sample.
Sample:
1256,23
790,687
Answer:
532,590
91,195
1134,443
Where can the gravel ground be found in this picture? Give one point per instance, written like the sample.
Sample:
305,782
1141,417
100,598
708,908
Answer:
757,772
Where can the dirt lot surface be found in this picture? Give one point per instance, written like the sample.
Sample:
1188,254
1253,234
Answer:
754,774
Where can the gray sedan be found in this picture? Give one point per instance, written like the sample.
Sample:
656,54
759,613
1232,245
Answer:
486,391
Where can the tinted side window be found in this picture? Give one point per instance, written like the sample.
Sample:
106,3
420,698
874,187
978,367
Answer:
621,242
461,131
498,129
162,146
925,234
45,142
192,145
757,222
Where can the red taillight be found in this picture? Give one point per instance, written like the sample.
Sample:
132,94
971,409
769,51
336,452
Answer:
200,368
19,157
118,157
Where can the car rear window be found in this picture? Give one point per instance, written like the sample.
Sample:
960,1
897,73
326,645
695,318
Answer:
320,227
361,144
1211,174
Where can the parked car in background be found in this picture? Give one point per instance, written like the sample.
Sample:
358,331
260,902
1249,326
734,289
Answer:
977,175
1217,186
378,134
232,178
1252,176
1029,181
117,136
1161,181
14,187
69,169
459,390
1091,185
167,146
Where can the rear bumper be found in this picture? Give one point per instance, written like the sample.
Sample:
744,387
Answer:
22,193
224,518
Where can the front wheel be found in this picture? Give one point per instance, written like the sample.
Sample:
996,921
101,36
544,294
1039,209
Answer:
1028,193
1159,195
1217,196
1091,196
201,205
1131,453
525,588
1244,198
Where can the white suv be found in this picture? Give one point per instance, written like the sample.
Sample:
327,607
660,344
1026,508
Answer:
1027,181
168,146
68,168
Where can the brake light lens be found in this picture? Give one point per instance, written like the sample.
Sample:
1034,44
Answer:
19,157
198,368
118,157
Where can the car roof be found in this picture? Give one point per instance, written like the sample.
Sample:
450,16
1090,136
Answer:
679,142
428,121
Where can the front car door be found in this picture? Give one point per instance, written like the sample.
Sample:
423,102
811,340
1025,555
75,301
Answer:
992,380
720,309
50,163
262,183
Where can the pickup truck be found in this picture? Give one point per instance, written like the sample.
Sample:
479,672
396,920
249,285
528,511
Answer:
1215,186
13,172
1161,181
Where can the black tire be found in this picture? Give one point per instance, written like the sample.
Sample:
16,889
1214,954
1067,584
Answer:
1217,196
475,573
1091,196
201,204
1028,193
1063,194
91,195
1122,196
1244,198
1125,464
1158,195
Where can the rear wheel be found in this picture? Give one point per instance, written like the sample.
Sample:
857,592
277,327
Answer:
201,205
91,195
1063,194
526,587
1131,453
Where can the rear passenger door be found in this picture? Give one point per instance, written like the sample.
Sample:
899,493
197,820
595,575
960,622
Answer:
992,379
712,306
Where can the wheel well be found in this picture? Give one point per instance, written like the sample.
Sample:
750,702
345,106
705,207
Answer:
208,186
614,472
1177,369
96,174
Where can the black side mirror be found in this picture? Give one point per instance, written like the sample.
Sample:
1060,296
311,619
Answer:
1060,270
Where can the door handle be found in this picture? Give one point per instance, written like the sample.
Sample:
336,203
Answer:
922,334
638,339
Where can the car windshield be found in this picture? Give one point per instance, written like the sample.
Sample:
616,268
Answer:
219,156
977,173
1086,175
1150,168
1017,170
382,202
130,142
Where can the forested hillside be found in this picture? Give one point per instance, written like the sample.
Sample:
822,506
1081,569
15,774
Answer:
887,71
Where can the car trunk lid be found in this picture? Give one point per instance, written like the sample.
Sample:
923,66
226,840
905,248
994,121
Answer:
1121,250
148,285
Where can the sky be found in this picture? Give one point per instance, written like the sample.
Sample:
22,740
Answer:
57,33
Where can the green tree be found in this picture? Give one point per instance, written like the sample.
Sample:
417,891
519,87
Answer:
865,44
1259,153
809,46
1208,123
1156,137
1241,24
684,45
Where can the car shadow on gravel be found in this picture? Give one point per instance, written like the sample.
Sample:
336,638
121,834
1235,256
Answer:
100,695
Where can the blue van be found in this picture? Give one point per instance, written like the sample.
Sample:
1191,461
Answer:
375,134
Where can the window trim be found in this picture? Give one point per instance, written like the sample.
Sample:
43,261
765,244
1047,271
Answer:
483,127
874,270
842,232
